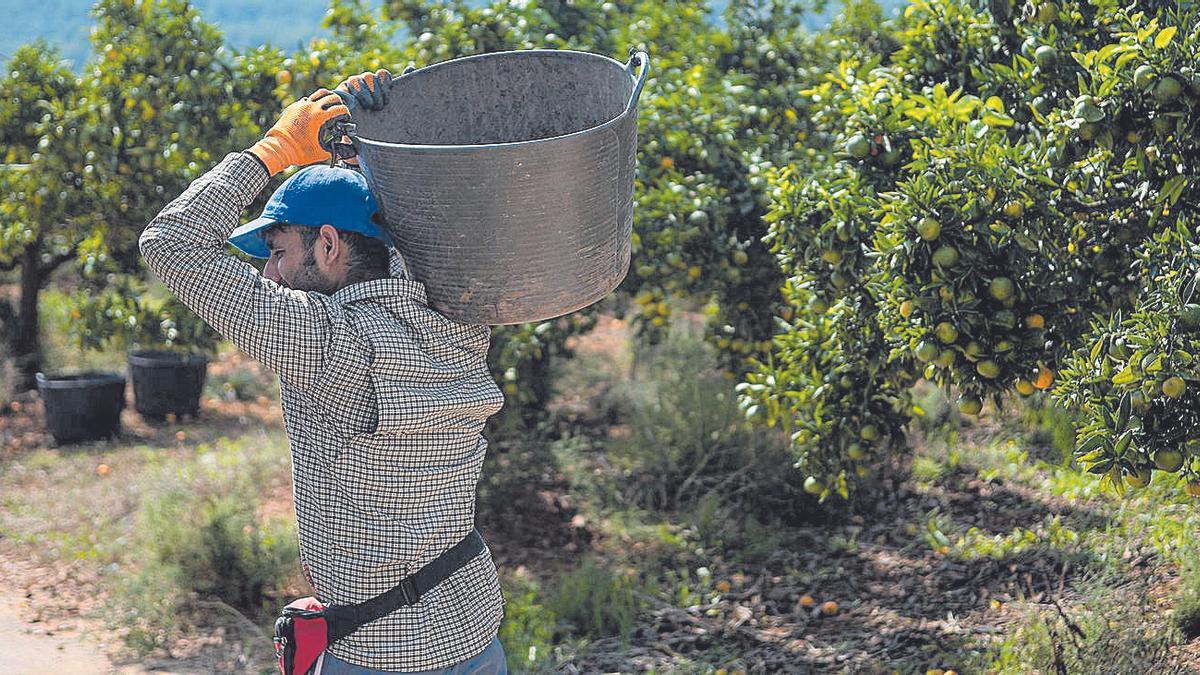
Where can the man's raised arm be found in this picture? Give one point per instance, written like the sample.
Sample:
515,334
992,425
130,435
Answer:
288,330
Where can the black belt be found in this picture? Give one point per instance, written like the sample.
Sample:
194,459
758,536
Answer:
345,619
306,627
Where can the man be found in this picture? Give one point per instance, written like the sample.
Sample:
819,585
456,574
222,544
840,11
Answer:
383,399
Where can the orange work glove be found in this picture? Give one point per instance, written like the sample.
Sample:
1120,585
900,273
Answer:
294,138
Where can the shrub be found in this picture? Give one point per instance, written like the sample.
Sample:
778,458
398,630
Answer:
690,441
1114,632
219,547
1186,612
595,600
528,630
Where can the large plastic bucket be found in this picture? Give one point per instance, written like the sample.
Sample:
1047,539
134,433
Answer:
165,382
506,179
82,406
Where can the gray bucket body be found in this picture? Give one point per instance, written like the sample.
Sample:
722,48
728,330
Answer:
506,179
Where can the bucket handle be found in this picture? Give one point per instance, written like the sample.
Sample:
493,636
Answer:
332,133
637,57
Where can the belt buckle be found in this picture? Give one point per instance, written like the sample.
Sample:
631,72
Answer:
408,590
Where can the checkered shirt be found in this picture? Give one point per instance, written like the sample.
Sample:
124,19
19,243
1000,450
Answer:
384,401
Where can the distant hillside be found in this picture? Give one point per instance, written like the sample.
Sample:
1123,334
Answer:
65,23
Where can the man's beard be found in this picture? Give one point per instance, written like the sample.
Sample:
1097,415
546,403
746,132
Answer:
309,277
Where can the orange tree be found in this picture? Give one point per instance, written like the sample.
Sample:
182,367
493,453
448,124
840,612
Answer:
994,180
102,153
34,197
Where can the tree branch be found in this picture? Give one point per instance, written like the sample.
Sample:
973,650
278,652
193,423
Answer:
1093,207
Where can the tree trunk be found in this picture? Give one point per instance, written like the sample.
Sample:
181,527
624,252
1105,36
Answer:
27,345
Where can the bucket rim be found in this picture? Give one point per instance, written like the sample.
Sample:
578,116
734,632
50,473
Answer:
76,379
164,357
630,106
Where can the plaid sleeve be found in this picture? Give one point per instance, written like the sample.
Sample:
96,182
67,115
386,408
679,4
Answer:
184,245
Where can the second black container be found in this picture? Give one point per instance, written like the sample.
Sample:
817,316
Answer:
166,382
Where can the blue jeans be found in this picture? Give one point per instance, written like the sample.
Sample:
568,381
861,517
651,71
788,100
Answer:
489,662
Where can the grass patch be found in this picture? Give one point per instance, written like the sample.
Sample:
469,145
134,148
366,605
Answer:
1115,629
595,600
528,630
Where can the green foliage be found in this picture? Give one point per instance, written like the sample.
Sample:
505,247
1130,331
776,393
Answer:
1113,632
689,441
125,315
981,193
528,630
1185,611
204,529
597,601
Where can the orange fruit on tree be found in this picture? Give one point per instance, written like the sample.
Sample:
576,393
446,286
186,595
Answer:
946,358
103,469
1035,322
807,601
1001,288
1045,378
906,308
926,351
283,77
723,586
1024,387
946,332
829,608
667,163
946,256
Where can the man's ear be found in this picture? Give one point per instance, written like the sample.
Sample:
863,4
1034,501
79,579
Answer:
328,240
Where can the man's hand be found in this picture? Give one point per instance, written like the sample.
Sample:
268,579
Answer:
294,138
369,90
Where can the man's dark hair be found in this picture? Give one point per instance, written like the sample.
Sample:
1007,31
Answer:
368,255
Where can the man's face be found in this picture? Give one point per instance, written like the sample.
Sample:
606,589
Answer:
292,264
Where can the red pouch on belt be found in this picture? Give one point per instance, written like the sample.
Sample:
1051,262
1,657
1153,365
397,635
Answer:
301,634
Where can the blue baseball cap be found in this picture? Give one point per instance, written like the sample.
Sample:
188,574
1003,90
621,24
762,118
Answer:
316,195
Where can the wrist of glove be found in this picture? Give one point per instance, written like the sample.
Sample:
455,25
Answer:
295,138
366,90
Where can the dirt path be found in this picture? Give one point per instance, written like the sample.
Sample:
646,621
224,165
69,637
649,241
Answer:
37,648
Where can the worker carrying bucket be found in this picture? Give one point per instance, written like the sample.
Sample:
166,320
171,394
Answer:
510,201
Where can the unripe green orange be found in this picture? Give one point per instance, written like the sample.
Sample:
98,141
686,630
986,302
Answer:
926,351
988,368
929,229
1168,460
946,332
1139,477
869,433
1174,387
1001,288
970,405
946,256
